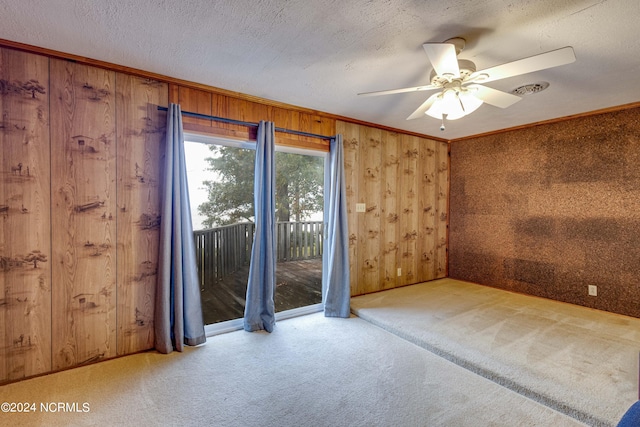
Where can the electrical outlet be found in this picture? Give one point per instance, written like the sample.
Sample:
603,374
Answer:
399,272
361,207
593,290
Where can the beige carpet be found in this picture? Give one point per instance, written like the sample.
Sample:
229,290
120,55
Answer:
579,361
311,371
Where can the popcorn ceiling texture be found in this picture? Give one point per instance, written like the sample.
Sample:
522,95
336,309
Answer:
549,210
320,54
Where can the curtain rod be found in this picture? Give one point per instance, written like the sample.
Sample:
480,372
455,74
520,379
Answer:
249,124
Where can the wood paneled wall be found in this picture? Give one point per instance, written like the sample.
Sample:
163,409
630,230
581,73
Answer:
25,222
403,181
215,104
81,152
140,133
83,187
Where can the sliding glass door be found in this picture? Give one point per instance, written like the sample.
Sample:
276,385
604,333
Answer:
221,174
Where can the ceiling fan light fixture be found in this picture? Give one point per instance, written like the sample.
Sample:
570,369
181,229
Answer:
461,85
453,104
470,102
447,103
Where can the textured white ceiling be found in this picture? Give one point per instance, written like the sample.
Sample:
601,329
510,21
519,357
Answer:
319,54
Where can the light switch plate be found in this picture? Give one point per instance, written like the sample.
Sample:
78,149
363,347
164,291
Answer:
361,207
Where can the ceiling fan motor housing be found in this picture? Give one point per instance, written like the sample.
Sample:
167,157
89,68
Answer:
458,43
466,69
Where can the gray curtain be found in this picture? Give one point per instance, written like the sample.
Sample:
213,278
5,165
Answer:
178,313
259,310
335,272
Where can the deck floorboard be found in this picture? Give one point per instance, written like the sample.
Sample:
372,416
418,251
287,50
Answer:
298,284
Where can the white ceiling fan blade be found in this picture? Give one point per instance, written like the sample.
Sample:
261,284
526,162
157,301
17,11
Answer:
494,97
403,90
424,107
542,61
443,58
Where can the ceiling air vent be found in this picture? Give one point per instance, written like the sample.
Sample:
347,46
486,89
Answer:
530,88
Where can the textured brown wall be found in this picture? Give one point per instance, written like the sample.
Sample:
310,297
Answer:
549,210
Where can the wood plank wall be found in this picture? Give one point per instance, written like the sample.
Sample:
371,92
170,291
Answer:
403,181
81,151
214,104
82,212
140,134
25,224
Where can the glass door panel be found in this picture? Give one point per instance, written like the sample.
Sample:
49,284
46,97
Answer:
299,230
221,193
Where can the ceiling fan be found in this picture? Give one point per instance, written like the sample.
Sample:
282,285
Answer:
461,90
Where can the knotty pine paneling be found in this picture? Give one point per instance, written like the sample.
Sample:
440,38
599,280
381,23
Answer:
370,194
211,103
67,177
25,240
194,101
389,216
441,215
427,172
141,130
409,209
351,142
404,182
84,212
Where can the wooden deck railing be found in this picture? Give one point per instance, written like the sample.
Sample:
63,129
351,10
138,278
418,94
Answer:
299,240
223,250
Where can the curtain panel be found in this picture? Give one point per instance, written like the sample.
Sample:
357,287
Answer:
335,271
259,311
178,313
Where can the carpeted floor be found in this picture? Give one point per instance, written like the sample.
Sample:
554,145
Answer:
579,361
311,371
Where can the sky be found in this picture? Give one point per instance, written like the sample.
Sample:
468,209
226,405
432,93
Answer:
195,154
